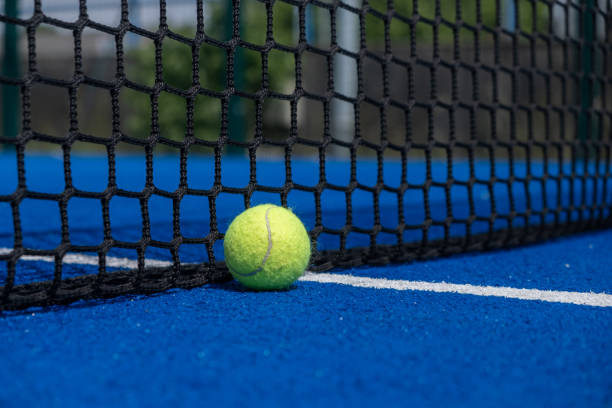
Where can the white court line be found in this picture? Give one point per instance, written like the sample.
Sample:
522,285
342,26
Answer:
82,259
577,298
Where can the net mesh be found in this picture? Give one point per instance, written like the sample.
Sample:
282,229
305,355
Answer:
504,106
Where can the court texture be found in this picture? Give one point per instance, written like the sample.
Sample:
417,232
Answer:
451,161
523,326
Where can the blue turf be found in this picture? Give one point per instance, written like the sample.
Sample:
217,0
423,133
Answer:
318,344
41,222
323,344
581,264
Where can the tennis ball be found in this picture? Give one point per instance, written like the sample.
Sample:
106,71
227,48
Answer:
266,247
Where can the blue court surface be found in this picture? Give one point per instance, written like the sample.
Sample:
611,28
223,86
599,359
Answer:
526,326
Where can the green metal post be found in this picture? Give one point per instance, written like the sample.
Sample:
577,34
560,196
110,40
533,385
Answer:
10,69
585,123
236,114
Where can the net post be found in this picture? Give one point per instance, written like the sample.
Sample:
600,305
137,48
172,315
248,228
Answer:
235,126
345,78
134,13
509,15
585,122
311,28
10,69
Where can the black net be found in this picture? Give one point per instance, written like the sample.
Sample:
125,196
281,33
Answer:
467,125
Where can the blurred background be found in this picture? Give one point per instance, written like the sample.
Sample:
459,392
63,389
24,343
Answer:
491,72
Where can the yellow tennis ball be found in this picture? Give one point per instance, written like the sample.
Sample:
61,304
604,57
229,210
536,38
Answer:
267,247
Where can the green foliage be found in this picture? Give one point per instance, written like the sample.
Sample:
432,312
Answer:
177,72
177,59
532,16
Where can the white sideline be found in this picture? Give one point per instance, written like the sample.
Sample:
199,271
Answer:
82,259
576,298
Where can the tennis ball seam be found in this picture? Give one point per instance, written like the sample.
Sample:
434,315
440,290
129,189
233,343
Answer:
269,250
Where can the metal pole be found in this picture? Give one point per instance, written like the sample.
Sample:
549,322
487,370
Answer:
510,15
134,13
10,69
311,28
236,119
585,123
345,76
